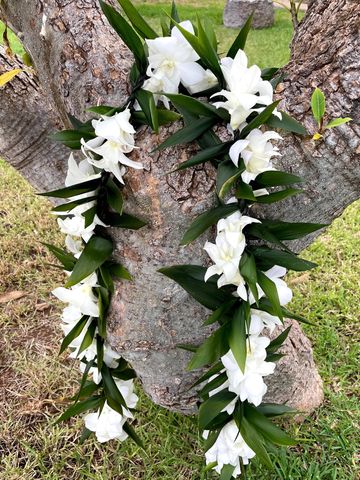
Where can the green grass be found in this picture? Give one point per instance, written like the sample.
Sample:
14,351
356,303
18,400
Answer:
35,382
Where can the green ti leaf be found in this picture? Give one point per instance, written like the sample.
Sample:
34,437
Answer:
191,279
137,21
237,335
211,408
188,133
73,190
95,253
240,40
71,138
287,123
213,348
74,333
206,220
148,107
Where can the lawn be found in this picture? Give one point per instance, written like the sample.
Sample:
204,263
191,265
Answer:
35,381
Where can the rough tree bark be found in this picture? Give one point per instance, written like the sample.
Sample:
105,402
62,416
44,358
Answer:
80,62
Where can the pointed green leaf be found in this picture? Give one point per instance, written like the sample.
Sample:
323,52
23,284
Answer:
227,174
213,348
111,389
191,279
237,335
240,40
212,407
274,178
189,133
336,122
275,410
275,344
196,107
125,221
71,138
74,333
88,338
260,119
278,196
119,271
271,432
245,192
248,271
270,290
205,51
203,156
318,105
137,21
220,313
67,207
267,258
96,251
287,123
73,190
148,107
114,196
226,472
212,371
206,220
133,435
91,403
269,73
66,259
255,442
213,384
289,230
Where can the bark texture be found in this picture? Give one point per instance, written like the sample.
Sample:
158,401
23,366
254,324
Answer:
236,13
81,62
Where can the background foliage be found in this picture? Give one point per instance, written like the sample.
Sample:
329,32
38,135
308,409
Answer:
32,447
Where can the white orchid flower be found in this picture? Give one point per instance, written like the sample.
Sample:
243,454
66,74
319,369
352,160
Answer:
74,245
245,89
256,151
249,385
284,292
228,448
108,424
80,296
112,155
75,226
117,129
226,259
233,226
159,82
261,320
175,58
79,172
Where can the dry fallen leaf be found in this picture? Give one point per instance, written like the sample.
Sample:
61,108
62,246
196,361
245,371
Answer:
9,296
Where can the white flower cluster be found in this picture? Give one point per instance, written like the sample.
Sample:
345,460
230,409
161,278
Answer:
114,138
172,61
248,385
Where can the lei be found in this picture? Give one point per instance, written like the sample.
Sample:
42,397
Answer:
179,75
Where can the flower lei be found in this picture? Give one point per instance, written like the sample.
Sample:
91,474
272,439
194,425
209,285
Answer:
243,287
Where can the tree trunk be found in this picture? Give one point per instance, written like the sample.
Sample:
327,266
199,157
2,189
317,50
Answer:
80,62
